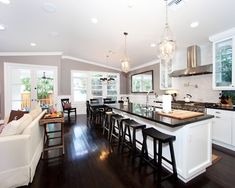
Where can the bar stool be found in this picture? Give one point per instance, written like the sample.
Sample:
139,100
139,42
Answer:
157,163
107,123
131,142
116,123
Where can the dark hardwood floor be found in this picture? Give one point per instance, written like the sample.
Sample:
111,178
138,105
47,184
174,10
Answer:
90,162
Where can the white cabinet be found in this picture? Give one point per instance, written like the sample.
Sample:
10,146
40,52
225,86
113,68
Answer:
224,60
223,127
165,79
233,129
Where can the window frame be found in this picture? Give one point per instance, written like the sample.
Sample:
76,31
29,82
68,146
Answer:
89,84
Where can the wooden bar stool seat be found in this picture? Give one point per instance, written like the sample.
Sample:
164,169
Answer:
116,124
107,123
129,124
156,163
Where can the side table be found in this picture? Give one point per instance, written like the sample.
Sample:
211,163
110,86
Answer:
50,120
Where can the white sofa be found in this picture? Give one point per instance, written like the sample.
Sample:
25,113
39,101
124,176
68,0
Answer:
20,154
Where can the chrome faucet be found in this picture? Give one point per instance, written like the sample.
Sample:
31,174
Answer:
147,98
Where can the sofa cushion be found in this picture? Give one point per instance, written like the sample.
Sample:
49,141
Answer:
24,122
10,128
16,126
15,115
35,112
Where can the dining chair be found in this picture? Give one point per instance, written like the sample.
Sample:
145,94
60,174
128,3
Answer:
67,108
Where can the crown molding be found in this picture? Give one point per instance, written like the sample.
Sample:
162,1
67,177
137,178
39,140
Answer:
223,35
89,62
153,62
30,53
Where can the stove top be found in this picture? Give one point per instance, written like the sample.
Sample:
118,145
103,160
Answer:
196,107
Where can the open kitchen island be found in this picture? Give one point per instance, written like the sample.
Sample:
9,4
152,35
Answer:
193,145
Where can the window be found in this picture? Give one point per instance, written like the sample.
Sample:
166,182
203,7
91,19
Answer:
112,86
79,81
96,85
142,82
86,85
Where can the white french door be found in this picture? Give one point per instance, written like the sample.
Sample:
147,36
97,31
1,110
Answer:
28,85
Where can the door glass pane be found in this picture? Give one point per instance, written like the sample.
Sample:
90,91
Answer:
20,89
112,86
79,88
45,88
223,63
96,85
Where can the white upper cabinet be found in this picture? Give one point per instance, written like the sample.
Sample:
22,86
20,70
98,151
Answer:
224,60
165,79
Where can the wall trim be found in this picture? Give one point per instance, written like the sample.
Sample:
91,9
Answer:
30,53
153,62
223,35
90,62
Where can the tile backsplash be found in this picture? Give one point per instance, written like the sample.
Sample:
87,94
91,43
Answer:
200,87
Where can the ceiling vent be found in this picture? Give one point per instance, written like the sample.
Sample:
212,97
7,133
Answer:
176,4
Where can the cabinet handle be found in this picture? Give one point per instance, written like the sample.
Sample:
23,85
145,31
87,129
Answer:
217,117
217,112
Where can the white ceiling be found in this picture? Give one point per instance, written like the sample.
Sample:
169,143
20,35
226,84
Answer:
69,28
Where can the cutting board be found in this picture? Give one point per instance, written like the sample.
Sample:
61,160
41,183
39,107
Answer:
181,114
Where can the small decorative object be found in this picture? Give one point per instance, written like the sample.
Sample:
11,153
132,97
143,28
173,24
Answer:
52,110
226,100
126,101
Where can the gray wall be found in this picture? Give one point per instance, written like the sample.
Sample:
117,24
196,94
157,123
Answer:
64,68
156,77
67,65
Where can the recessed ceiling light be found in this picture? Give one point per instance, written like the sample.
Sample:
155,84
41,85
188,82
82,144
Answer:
110,51
2,27
49,7
7,2
194,24
33,44
153,45
94,20
130,3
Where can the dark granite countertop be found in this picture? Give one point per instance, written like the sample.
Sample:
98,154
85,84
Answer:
138,110
204,104
219,107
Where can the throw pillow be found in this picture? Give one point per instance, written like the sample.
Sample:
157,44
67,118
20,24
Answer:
2,126
10,128
15,115
16,126
67,105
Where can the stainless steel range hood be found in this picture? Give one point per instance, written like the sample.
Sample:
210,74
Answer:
193,62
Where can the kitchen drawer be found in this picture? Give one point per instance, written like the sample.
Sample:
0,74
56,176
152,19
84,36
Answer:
220,113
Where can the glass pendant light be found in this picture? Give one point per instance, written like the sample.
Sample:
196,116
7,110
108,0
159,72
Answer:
124,62
167,45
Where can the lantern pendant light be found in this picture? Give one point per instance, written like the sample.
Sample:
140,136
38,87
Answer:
167,45
124,62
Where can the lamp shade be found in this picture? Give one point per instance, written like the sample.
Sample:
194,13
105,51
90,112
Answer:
125,66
